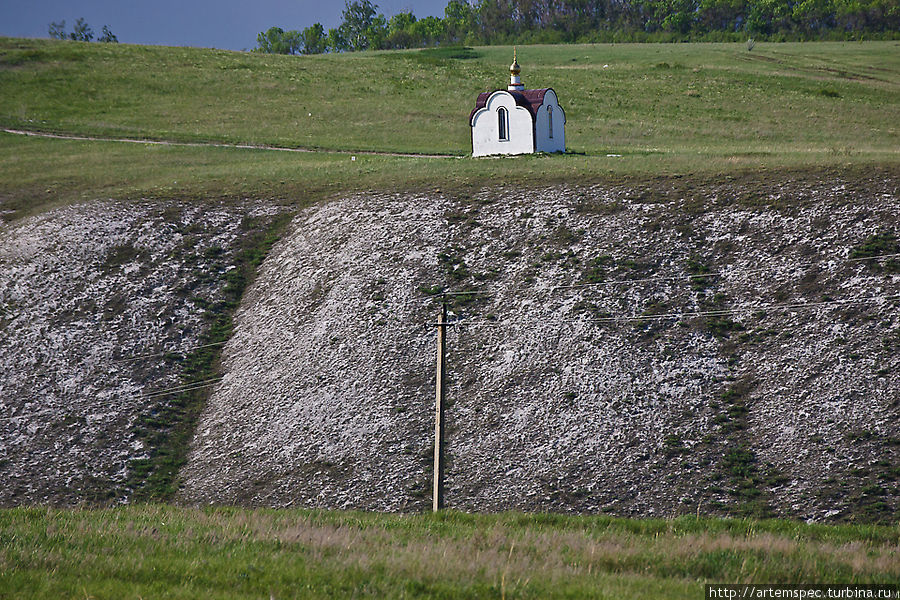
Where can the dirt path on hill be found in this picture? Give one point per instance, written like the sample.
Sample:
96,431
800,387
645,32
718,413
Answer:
219,145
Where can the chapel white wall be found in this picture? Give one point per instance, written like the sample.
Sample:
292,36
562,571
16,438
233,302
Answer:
485,128
543,141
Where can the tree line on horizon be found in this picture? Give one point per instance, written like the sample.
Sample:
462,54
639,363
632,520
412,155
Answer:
486,22
81,32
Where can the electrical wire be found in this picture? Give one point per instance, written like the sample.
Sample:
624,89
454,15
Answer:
187,387
648,279
858,258
692,277
141,356
703,275
732,311
706,313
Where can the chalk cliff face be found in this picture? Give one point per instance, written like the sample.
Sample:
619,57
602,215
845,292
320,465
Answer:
91,299
572,387
590,373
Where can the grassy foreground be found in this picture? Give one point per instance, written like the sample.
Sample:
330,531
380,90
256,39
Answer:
166,552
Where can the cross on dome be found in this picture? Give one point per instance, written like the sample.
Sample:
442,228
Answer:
515,82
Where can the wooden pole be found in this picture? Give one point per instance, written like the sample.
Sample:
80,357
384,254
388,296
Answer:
437,497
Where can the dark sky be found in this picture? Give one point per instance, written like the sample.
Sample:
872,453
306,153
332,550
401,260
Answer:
231,24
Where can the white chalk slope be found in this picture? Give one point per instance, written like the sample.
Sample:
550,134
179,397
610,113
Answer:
328,394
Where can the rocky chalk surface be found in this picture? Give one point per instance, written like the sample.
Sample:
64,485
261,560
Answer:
91,298
591,374
642,350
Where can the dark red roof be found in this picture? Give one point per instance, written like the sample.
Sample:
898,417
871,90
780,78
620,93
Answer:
530,99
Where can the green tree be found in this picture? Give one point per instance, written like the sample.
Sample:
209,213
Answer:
429,31
814,15
108,36
400,30
312,39
677,15
275,40
497,20
721,15
335,41
293,41
357,19
555,21
770,16
82,32
376,33
871,15
57,31
849,15
270,41
459,20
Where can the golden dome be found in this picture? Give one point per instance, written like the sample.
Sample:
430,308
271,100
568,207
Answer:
514,68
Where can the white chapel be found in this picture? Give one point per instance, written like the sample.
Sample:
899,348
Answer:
516,120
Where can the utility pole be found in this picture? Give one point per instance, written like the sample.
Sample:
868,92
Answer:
437,497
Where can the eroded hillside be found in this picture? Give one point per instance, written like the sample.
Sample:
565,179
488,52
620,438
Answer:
102,306
780,396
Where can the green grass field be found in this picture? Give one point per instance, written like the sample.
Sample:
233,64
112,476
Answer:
662,109
717,99
166,552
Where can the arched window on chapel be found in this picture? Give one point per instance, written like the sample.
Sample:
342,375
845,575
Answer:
550,120
503,124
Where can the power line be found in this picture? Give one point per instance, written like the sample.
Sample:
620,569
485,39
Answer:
732,311
707,313
691,277
184,386
139,357
467,293
471,293
711,313
858,258
703,275
648,279
187,387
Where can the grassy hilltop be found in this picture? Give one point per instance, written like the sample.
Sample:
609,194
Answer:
661,109
714,99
